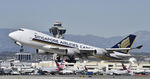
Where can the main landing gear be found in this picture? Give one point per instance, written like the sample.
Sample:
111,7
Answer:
70,59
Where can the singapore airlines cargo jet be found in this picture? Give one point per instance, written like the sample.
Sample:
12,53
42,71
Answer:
46,44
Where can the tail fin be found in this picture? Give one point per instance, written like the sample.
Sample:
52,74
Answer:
124,67
126,43
85,68
129,68
58,66
62,63
56,63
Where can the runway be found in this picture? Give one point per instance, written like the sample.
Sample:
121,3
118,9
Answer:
70,77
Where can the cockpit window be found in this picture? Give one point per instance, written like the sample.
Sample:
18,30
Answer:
20,29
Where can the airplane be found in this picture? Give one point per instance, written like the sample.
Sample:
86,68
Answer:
64,69
52,70
46,44
81,70
72,70
138,71
62,64
125,71
67,71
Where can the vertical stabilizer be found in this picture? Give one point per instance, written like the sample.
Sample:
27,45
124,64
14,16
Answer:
125,43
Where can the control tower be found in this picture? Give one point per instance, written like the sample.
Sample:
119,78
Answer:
57,30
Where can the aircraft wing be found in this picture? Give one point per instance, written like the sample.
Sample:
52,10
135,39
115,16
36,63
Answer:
117,49
110,50
87,52
122,49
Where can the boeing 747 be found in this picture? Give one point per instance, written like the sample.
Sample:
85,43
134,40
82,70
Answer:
46,44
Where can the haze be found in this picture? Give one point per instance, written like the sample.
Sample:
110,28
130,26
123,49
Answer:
105,18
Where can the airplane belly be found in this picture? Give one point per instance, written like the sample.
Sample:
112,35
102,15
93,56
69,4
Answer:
59,52
104,57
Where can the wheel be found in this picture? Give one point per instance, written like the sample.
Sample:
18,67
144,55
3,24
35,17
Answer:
58,59
21,50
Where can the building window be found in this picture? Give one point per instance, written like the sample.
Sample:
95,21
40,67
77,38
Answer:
110,65
69,65
91,68
146,66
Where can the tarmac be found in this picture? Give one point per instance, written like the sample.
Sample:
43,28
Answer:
70,77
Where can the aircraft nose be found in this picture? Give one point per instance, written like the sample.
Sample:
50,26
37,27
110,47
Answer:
12,35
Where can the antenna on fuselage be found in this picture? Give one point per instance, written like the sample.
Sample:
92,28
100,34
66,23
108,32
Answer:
57,30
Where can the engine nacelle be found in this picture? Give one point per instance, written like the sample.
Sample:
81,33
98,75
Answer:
99,52
71,51
39,51
18,43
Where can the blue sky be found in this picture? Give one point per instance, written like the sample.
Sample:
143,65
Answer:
81,17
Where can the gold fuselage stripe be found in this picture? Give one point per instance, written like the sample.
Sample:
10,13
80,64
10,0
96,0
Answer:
53,44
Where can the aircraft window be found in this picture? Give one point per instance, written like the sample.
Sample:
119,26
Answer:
21,30
146,66
91,68
109,68
57,24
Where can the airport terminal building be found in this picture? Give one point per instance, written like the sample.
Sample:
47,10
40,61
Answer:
101,66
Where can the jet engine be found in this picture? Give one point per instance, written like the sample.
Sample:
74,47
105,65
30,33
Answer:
99,52
71,51
18,43
39,51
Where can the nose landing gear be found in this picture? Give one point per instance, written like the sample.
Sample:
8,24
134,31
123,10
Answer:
69,59
19,44
21,49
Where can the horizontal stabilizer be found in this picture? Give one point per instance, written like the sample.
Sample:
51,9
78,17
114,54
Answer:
139,47
122,49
